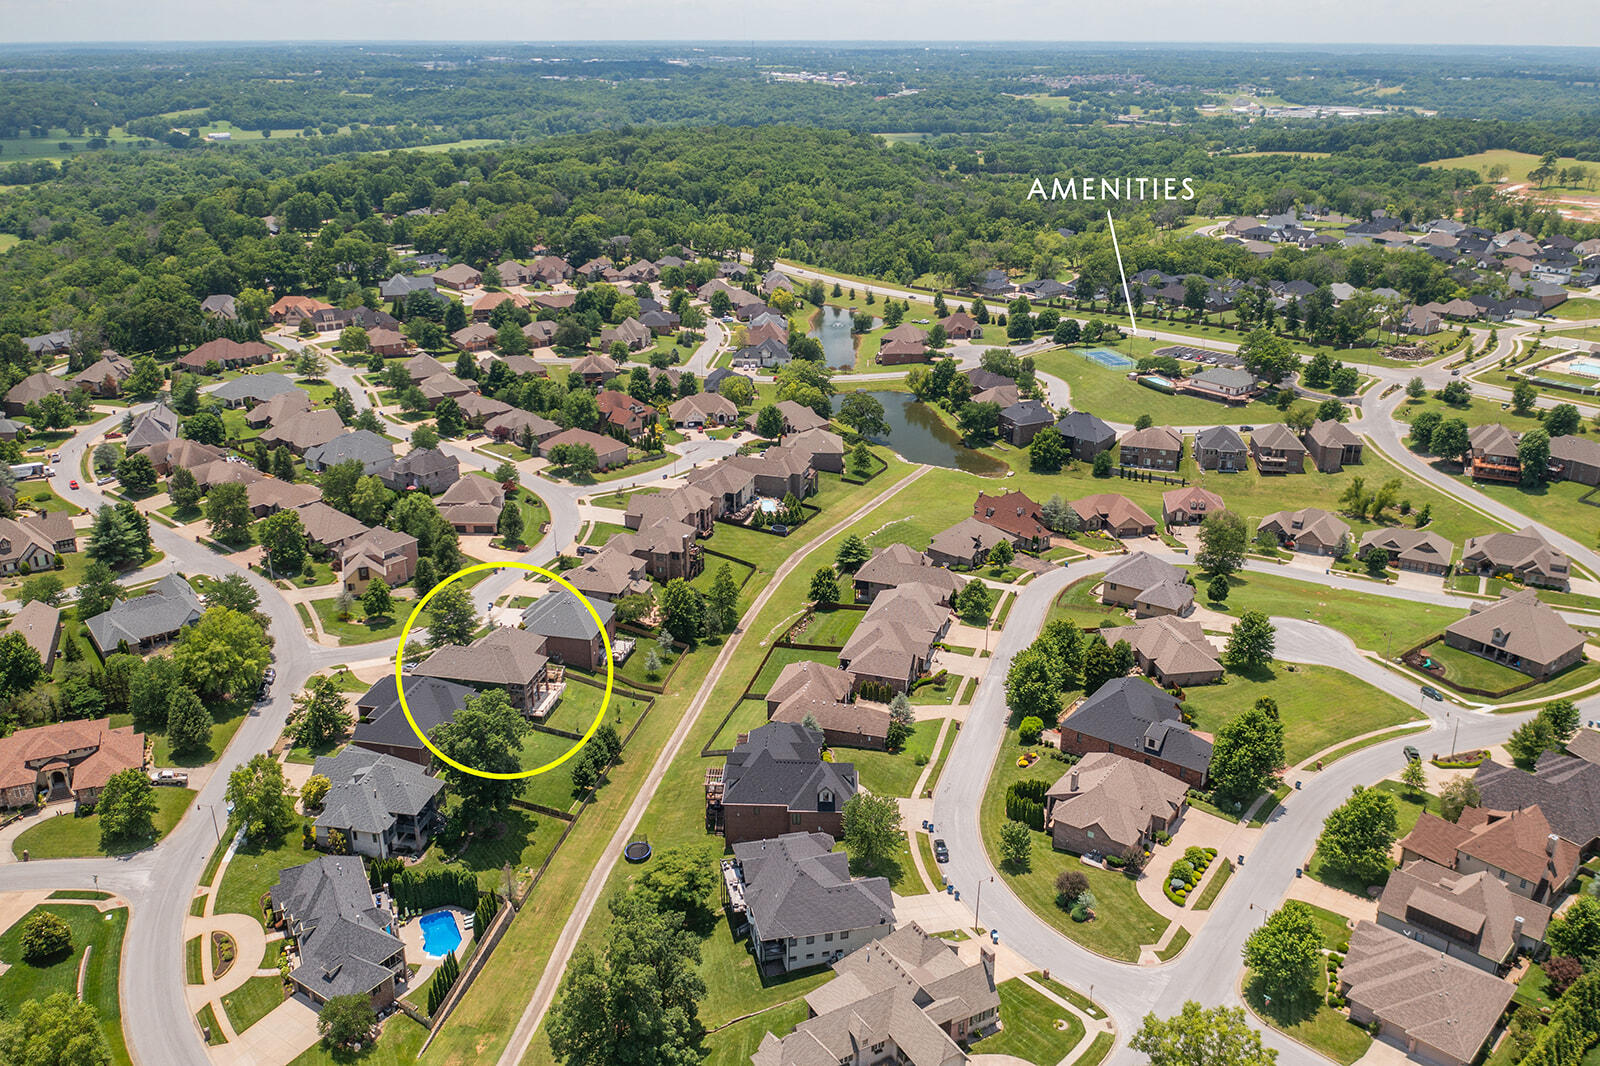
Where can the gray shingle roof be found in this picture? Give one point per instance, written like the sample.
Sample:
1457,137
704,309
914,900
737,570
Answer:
344,939
1132,713
362,444
432,702
1566,789
559,614
370,790
169,606
781,764
797,885
254,387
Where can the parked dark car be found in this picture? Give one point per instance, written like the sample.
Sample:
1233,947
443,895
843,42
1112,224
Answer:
941,853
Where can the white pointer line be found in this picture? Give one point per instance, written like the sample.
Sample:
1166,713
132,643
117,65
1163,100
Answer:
1126,298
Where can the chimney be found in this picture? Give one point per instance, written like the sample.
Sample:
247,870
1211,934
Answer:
1550,844
1516,926
1074,779
986,957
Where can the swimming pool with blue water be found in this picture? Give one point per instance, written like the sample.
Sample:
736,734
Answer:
441,934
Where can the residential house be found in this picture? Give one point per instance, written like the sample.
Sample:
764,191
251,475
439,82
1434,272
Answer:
1085,435
328,528
251,390
689,505
701,410
1525,555
797,418
475,337
609,451
1575,458
1332,446
457,276
611,575
668,549
104,376
1017,515
595,369
1277,450
292,310
226,354
33,542
440,386
40,625
1516,847
1114,514
895,641
1220,448
477,409
429,470
380,552
269,496
278,409
620,411
823,694
66,760
966,544
344,939
900,564
363,445
1189,506
1155,448
304,430
1473,917
630,333
1150,586
167,455
472,505
961,326
571,635
381,724
1566,789
1310,529
1416,550
1172,650
515,423
1494,455
381,805
157,425
1130,717
1520,631
540,335
1111,805
1436,1008
400,286
763,353
905,998
823,450
1022,421
774,782
1222,384
490,300
801,904
506,658
145,621
32,389
50,344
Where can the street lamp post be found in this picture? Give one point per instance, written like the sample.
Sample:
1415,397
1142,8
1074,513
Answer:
212,807
977,906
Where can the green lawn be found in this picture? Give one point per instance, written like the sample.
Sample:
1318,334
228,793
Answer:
522,841
782,657
831,627
1175,946
1122,920
1556,504
69,837
894,773
1476,411
91,929
397,1045
359,629
1517,166
600,532
1409,807
1312,1022
898,868
1028,1027
1304,694
1079,603
252,1001
733,1045
222,732
254,869
1109,393
1534,988
1383,624
1464,669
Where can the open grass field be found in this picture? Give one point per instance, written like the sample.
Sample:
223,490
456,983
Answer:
782,657
1475,412
69,837
99,933
1030,1029
1518,165
1109,393
733,1045
1383,624
1304,694
1556,505
1577,307
831,627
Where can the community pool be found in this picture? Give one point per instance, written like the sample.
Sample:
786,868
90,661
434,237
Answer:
1106,357
440,934
1585,367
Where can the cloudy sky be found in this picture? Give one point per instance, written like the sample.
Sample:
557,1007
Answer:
1401,22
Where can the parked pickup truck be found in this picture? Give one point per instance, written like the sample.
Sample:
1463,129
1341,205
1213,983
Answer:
169,777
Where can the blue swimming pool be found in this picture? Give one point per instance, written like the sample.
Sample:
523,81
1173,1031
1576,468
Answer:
770,506
1106,357
1586,367
440,934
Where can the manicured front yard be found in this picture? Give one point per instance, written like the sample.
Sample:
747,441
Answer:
734,1045
1304,694
1383,624
1122,922
1409,807
831,627
91,929
254,869
1466,670
66,836
397,1045
359,629
252,1001
1313,1022
1029,1027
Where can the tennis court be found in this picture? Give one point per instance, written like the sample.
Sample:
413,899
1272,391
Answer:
1109,359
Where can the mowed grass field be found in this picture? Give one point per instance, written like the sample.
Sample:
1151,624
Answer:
1518,165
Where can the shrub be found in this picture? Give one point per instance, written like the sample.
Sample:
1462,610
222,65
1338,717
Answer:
1197,857
1030,729
1080,913
1163,837
1116,862
1183,871
45,937
1070,887
1561,971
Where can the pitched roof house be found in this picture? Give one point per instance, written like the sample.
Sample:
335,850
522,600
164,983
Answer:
32,389
1189,505
1277,450
1472,917
345,939
1518,847
1525,554
428,469
1115,514
1153,448
1417,550
159,423
1111,805
1149,585
506,658
811,690
1220,448
1332,446
1520,631
609,451
965,544
72,758
1172,650
363,445
145,621
775,781
570,633
1310,529
381,805
1085,435
40,625
1129,716
472,505
1016,514
381,725
1564,788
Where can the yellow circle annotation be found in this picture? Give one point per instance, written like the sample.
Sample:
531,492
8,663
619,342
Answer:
399,679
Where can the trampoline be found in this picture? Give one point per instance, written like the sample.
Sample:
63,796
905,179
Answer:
637,850
1111,360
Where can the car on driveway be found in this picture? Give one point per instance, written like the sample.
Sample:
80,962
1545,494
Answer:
941,853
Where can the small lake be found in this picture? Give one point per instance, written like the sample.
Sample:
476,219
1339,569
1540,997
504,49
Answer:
833,330
917,433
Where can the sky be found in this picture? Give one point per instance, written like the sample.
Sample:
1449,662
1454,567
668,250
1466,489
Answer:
1400,22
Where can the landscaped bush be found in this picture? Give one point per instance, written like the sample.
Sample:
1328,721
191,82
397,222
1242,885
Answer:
1163,837
1464,760
45,937
1116,862
1070,887
1025,802
1030,729
416,892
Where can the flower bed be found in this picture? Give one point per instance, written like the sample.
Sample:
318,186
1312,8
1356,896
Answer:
1186,874
1460,760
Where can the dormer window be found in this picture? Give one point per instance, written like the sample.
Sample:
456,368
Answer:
1500,637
